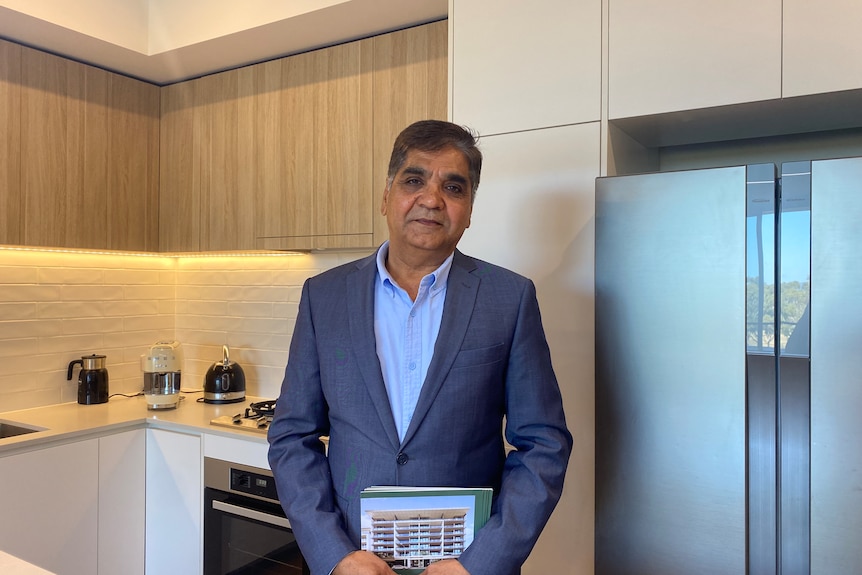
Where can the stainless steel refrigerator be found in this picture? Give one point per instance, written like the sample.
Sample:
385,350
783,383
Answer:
729,371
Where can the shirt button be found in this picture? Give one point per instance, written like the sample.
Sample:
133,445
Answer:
401,458
412,365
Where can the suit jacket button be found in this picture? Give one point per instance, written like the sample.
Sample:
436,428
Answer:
401,458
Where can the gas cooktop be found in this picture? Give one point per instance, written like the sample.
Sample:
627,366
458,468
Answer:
256,417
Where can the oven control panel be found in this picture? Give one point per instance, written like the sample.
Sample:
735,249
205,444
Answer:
252,483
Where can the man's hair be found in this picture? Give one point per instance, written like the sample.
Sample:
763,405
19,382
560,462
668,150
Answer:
433,136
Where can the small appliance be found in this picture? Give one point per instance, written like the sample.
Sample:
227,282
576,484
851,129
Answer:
92,379
224,381
162,366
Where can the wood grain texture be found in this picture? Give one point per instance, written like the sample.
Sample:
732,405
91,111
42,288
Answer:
227,171
133,165
343,156
179,170
87,156
410,84
10,143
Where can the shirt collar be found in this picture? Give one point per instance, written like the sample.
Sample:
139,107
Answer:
437,278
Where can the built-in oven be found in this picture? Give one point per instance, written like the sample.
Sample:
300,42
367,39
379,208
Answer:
245,529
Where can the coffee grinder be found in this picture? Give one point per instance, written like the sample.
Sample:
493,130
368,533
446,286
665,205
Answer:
162,366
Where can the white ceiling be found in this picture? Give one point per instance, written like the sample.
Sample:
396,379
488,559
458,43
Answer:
182,39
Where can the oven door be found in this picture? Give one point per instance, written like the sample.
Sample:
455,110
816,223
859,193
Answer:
243,535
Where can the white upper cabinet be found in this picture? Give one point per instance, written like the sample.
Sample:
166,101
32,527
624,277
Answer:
671,55
525,65
822,46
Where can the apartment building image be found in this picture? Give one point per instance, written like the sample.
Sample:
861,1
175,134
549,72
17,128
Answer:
413,538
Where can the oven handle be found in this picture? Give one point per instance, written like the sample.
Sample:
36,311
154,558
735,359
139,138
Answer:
251,514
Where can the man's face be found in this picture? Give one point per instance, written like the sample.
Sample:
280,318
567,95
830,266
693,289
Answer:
428,204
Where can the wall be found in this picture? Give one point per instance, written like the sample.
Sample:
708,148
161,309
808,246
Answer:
124,23
58,306
248,304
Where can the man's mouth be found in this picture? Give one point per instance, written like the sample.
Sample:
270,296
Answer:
427,222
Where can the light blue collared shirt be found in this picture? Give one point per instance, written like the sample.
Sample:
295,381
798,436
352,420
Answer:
406,332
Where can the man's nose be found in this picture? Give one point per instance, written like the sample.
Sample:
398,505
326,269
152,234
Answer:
432,195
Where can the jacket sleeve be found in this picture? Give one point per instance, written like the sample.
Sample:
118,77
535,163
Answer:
297,456
534,471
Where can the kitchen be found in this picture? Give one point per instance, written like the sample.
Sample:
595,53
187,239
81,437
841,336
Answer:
597,82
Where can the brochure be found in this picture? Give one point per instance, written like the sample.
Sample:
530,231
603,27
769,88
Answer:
411,527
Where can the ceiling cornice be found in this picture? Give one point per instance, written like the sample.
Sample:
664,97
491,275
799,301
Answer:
333,24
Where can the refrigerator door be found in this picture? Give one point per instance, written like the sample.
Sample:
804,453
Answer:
836,375
671,373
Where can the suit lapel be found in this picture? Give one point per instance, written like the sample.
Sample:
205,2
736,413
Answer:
360,296
457,310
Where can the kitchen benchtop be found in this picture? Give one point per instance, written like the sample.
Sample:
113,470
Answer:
72,421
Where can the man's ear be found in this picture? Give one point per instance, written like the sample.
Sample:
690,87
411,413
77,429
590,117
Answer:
383,203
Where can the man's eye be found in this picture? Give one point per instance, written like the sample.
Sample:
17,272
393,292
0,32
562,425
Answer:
455,190
413,181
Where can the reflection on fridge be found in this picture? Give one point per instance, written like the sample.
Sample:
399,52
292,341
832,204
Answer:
727,323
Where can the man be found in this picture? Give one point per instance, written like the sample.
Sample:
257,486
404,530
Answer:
411,360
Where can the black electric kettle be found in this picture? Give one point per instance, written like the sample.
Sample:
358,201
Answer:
224,381
92,380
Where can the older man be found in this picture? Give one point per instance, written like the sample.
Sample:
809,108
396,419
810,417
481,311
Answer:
412,360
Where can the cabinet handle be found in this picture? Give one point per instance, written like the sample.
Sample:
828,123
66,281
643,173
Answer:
251,514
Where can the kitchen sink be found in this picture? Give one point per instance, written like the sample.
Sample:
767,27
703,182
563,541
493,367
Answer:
11,429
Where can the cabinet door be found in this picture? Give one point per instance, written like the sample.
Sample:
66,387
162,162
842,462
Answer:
821,46
227,130
63,149
343,118
535,214
10,143
122,473
132,164
679,55
285,152
410,81
49,502
88,156
179,169
174,508
315,154
525,65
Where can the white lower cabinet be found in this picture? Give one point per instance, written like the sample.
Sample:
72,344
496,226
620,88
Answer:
122,498
49,505
174,500
130,503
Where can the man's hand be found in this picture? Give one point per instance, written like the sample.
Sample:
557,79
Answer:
446,567
363,563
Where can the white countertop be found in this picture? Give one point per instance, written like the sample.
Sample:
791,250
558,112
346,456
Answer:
72,421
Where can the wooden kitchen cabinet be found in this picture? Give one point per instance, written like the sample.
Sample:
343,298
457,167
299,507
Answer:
50,506
317,162
10,143
271,156
207,174
292,153
410,84
821,47
88,156
501,75
676,55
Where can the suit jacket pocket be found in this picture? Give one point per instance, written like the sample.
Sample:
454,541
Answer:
480,356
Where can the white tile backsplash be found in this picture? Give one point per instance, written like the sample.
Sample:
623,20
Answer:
56,307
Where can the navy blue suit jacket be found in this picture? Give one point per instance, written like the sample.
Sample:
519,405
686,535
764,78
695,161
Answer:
491,367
